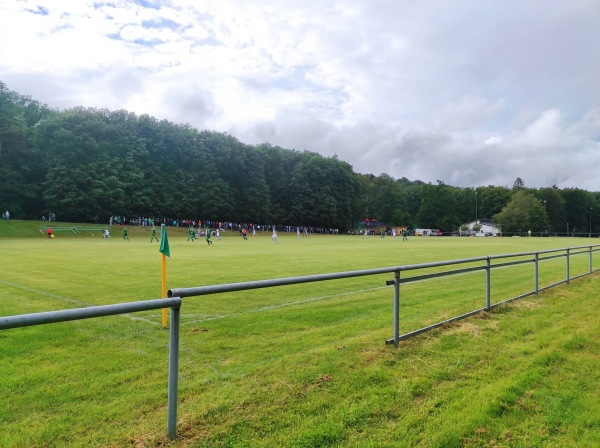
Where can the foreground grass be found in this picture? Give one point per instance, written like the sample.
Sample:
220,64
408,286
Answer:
297,366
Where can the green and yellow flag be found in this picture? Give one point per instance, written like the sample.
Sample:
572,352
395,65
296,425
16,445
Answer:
164,241
164,250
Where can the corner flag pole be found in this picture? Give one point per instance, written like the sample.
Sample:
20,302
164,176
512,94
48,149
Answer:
164,250
164,288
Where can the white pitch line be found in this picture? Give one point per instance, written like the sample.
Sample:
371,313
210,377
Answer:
299,302
282,305
314,299
73,301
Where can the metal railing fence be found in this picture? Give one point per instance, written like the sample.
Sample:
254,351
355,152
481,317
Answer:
488,266
534,257
49,317
175,296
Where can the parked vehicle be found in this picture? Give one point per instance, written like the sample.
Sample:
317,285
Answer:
428,232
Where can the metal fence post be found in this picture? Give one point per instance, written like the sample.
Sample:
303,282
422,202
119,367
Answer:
396,308
173,373
488,284
568,267
536,272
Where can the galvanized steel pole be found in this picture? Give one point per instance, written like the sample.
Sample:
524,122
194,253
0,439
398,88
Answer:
488,284
536,272
568,266
173,373
396,308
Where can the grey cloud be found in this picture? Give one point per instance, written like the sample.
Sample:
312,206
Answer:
189,104
471,93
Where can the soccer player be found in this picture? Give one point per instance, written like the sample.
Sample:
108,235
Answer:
208,241
191,233
153,234
125,234
274,236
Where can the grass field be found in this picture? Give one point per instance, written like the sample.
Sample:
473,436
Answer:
298,366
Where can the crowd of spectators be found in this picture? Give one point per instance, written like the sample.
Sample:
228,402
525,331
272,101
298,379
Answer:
223,225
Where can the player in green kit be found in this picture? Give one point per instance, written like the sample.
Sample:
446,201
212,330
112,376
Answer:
125,234
191,234
153,234
208,241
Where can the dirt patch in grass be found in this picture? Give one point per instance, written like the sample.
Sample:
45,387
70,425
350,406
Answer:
465,327
526,304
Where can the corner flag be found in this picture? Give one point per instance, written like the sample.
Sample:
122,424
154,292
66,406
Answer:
164,250
164,241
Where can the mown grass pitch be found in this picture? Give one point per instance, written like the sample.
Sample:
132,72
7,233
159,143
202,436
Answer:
293,366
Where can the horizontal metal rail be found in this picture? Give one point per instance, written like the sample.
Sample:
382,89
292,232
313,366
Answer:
552,285
553,257
244,286
513,263
434,326
417,278
575,277
50,317
512,299
579,253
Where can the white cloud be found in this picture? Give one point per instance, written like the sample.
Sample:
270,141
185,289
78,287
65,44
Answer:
468,93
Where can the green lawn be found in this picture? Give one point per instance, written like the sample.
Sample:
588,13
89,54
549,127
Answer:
299,366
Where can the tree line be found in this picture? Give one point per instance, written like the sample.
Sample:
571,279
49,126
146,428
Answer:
81,163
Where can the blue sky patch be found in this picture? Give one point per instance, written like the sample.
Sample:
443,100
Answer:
148,3
148,43
100,5
40,10
162,23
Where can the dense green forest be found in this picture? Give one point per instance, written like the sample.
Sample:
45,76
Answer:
85,163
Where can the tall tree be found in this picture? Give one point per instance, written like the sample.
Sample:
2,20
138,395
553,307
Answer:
438,208
554,206
579,206
518,184
524,212
83,162
17,162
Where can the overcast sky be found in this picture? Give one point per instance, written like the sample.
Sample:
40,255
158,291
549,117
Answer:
467,92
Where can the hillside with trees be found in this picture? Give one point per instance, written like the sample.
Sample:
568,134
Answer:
83,163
